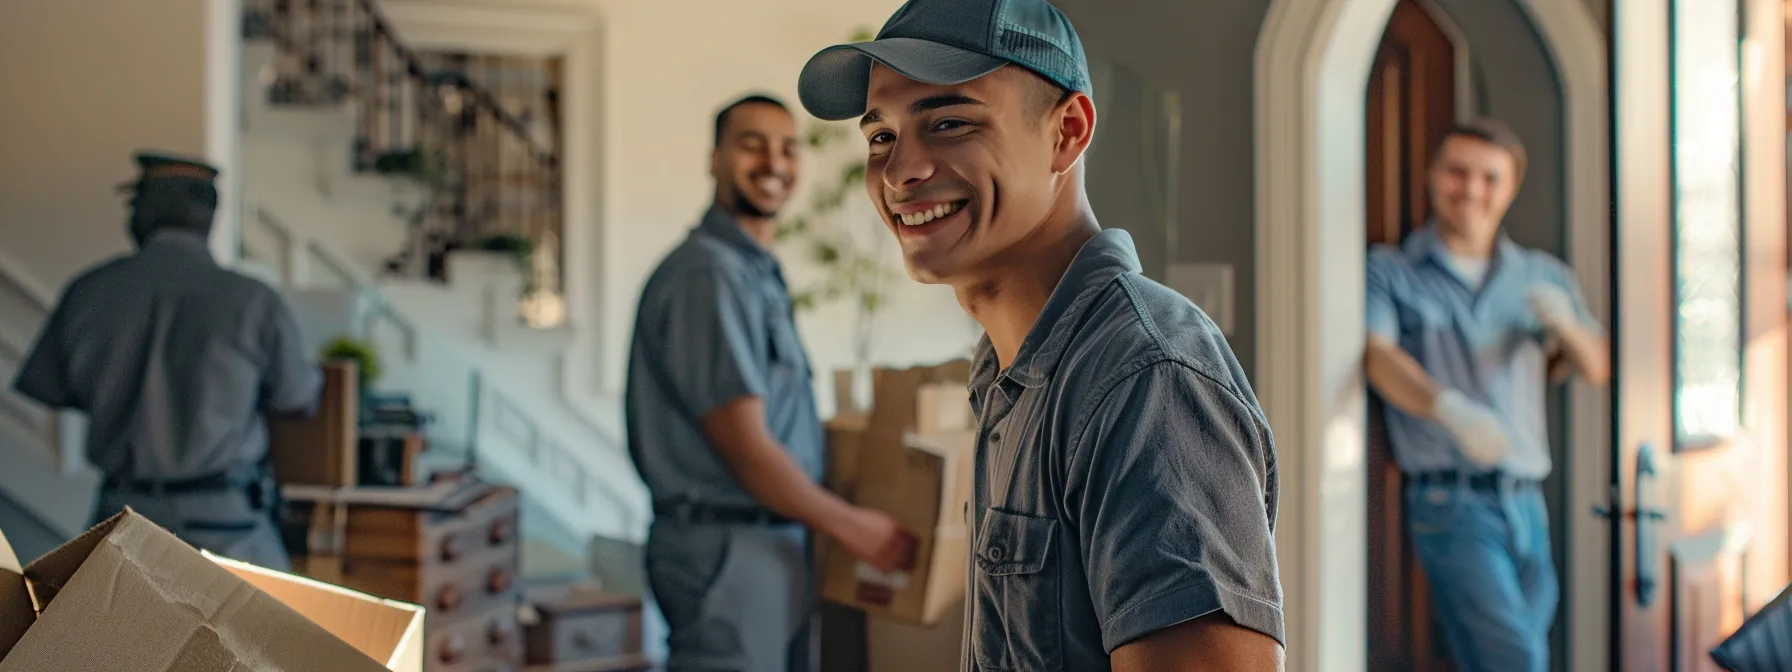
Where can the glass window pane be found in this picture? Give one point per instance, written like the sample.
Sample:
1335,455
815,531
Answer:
1708,218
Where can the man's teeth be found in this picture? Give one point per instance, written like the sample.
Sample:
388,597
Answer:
930,214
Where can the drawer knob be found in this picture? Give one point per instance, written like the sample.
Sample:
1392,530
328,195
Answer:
500,531
448,598
453,649
499,633
450,548
498,581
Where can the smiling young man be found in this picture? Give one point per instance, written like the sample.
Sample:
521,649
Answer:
723,429
1465,328
1125,495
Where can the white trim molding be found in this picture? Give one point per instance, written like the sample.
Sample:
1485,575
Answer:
1312,60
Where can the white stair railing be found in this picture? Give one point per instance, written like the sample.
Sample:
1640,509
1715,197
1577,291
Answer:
62,434
501,431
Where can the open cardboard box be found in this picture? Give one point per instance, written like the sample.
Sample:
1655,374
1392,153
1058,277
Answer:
128,596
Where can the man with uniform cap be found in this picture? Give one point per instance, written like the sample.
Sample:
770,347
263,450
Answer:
1125,491
174,359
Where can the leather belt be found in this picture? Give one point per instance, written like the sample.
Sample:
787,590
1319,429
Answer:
1486,480
213,482
712,514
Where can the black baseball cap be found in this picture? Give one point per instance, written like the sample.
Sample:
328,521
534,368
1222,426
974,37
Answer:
947,42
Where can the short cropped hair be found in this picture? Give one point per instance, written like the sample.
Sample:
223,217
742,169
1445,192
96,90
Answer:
755,99
1493,132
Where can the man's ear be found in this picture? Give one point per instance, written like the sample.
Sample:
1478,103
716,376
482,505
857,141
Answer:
1075,122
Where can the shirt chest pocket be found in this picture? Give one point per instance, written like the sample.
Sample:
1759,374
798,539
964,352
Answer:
787,356
1016,626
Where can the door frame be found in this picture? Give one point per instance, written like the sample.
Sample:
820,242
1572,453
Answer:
1312,66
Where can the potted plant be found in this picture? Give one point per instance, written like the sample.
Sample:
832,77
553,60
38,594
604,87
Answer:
362,354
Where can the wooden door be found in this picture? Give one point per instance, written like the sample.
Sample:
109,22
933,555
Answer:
1700,474
1411,99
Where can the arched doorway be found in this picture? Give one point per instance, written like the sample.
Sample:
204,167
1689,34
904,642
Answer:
1313,58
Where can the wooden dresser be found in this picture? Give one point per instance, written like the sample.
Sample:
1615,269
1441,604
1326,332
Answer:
450,547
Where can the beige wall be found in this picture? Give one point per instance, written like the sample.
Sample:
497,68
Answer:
85,84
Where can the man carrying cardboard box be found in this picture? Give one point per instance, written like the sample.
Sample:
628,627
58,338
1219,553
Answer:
175,359
1125,488
723,429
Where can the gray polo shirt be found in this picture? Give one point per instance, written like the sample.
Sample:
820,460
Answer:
1484,342
715,323
1126,478
174,359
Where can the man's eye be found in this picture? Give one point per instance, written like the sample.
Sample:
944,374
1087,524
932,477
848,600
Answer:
882,137
948,125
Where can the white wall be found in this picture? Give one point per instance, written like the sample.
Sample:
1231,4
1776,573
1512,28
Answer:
666,71
86,84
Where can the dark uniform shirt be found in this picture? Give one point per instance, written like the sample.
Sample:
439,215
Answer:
173,358
715,324
1126,478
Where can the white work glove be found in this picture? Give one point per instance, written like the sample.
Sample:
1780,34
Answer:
1476,429
1554,310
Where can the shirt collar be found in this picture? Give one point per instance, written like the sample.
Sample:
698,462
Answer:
1108,255
717,222
1424,244
182,242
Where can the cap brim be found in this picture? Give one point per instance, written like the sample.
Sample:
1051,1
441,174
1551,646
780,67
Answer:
834,82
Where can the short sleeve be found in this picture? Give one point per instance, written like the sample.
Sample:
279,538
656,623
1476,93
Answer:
292,382
43,375
713,345
1563,278
1172,488
1379,314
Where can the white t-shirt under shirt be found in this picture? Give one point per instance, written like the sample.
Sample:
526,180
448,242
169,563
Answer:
1471,270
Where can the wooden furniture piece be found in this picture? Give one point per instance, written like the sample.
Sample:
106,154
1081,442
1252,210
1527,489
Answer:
451,547
321,450
574,628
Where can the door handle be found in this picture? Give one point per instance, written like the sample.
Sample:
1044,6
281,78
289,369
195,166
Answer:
1646,516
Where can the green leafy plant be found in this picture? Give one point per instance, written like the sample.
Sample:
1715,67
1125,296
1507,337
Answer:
850,270
362,353
519,247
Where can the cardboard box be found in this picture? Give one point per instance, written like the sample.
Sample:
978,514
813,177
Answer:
923,481
321,449
128,596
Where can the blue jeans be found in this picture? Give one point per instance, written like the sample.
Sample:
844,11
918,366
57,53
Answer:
1486,555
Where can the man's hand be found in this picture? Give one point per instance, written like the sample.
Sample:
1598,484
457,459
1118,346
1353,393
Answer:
1554,310
1476,429
873,536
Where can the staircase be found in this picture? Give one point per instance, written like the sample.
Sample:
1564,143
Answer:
370,181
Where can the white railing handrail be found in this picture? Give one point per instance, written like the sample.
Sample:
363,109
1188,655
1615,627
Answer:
11,271
543,452
345,272
546,453
64,433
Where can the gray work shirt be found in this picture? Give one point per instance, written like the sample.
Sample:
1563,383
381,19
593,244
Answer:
1485,343
1126,478
174,359
715,324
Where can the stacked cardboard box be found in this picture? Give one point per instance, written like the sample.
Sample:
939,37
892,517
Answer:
128,596
911,456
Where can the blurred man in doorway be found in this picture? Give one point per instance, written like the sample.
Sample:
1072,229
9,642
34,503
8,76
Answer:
1466,331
